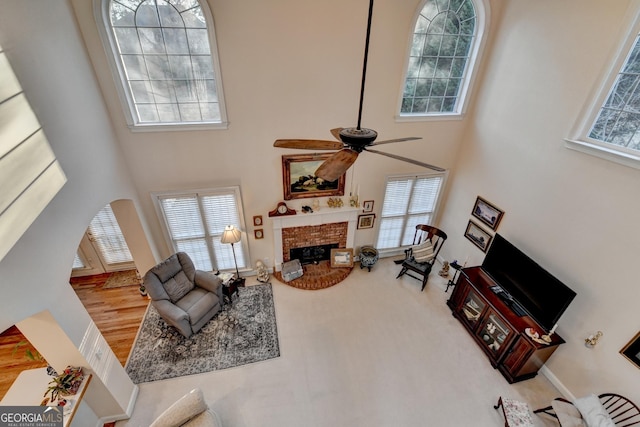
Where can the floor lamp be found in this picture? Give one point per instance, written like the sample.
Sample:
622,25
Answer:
232,235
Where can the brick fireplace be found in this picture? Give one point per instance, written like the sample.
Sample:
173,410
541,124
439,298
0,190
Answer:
326,226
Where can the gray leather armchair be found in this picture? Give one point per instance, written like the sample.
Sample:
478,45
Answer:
186,298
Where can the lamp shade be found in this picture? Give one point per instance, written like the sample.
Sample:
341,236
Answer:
231,235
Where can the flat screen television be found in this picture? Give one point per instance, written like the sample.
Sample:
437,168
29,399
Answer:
540,294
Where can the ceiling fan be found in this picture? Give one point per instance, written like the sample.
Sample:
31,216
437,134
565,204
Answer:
350,141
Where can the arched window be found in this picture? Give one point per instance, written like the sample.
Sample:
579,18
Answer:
166,59
445,44
610,128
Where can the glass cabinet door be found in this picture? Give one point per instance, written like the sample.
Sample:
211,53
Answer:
472,307
494,333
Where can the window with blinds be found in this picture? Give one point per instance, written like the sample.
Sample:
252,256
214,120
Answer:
77,262
195,222
408,201
106,234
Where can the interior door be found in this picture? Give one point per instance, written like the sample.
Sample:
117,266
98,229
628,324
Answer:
103,248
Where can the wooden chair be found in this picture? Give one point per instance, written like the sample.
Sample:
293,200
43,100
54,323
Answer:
424,235
622,411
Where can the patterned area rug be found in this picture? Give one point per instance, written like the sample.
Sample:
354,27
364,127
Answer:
243,332
118,279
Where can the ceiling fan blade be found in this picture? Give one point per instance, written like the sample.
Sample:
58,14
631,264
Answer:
404,159
336,133
387,141
308,144
336,165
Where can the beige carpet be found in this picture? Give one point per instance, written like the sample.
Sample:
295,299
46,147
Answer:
118,279
370,351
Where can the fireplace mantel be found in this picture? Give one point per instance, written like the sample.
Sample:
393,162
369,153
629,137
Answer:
320,217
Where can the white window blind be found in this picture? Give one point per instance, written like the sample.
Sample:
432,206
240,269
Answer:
77,262
195,223
408,201
106,234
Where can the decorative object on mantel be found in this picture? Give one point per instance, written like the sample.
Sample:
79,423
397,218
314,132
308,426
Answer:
353,201
307,209
335,202
281,210
65,384
315,204
300,182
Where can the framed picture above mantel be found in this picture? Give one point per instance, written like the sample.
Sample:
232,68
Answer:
299,180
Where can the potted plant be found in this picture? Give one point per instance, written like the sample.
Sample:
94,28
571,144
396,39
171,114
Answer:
65,384
33,355
29,353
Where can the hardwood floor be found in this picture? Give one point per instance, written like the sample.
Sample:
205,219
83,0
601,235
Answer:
12,363
117,312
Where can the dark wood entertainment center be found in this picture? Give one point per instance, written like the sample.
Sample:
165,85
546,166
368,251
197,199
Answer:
498,331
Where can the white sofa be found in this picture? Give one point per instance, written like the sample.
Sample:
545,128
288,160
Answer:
190,410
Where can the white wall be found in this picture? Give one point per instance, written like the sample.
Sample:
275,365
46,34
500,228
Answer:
574,214
290,69
48,57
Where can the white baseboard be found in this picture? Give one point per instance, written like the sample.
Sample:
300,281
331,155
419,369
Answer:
566,393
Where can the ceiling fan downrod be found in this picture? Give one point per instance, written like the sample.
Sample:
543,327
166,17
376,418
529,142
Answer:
358,138
364,63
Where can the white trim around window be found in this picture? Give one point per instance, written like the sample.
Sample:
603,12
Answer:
483,13
196,224
102,17
579,139
408,200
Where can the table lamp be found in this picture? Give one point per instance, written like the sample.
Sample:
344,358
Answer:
232,235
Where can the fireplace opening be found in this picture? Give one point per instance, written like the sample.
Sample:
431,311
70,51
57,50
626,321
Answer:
312,254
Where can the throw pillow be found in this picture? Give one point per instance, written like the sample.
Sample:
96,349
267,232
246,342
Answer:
423,252
593,412
178,286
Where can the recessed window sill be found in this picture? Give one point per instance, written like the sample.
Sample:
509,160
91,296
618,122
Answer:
430,117
156,127
611,154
